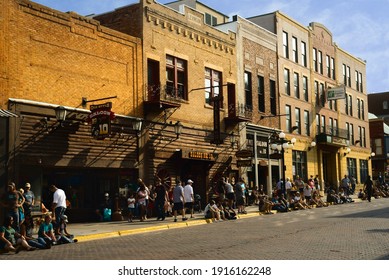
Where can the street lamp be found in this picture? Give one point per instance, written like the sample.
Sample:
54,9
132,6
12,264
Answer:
60,114
178,128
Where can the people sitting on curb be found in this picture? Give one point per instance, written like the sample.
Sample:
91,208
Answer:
10,240
211,211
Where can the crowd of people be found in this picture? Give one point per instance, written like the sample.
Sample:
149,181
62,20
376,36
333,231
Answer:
16,233
229,198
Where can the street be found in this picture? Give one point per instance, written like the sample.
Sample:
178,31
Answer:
356,231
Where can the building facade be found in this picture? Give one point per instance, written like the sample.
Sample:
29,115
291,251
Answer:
190,83
51,59
330,131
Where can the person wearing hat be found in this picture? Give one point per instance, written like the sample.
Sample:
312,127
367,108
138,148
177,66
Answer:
105,210
64,236
189,197
27,207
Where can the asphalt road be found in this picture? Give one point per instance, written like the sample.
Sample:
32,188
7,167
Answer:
357,231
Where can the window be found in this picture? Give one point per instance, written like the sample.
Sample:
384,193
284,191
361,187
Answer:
176,77
285,44
360,136
322,96
287,81
300,163
212,85
315,59
296,83
378,146
348,76
248,90
362,110
352,167
335,127
350,104
352,133
331,124
317,93
333,68
358,108
360,82
304,54
294,50
344,74
357,80
328,65
363,137
363,170
305,88
297,119
323,124
348,130
273,101
318,124
210,19
306,123
320,61
385,105
288,119
261,94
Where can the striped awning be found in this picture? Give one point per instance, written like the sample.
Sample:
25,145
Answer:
7,114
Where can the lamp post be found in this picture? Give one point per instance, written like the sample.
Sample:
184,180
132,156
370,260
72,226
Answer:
137,127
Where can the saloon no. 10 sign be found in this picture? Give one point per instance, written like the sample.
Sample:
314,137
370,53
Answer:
100,118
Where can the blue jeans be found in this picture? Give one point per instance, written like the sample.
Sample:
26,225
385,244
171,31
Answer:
58,211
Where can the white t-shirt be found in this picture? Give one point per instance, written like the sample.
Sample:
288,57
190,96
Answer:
131,202
188,193
59,198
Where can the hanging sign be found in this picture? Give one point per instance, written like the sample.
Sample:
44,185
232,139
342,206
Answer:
100,118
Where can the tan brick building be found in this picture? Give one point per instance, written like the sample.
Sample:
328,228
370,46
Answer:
51,59
187,64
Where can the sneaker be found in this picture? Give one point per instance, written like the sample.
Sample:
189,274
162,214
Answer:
75,240
184,219
175,219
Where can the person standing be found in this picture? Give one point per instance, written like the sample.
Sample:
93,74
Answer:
161,198
27,206
353,182
178,201
368,187
10,201
189,197
58,206
345,184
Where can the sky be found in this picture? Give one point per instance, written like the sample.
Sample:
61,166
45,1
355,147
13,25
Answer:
359,27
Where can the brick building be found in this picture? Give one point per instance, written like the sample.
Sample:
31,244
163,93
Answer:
51,59
190,83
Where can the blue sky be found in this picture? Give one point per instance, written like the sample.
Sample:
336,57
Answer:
359,27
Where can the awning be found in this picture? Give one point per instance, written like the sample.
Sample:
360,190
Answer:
7,114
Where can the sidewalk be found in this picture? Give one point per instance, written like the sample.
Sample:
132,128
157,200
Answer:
92,231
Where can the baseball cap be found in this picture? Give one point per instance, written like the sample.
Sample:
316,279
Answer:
190,181
106,194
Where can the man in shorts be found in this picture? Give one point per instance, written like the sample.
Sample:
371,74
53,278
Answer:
178,201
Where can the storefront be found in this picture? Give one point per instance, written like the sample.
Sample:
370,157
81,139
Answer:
45,150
